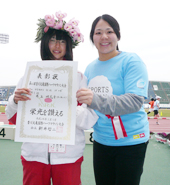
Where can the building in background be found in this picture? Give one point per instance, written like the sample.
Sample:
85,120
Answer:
155,88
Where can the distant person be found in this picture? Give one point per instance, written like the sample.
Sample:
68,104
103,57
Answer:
156,108
151,103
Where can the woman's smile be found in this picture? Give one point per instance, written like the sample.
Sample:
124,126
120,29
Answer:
104,44
105,40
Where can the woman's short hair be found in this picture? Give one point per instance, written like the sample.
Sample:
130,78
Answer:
60,35
111,21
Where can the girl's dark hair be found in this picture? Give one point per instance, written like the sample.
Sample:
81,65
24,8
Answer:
60,35
111,21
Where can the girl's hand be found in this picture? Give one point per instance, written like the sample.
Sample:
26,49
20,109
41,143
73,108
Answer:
84,96
20,95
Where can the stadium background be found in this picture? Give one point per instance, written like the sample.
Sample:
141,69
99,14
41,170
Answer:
159,88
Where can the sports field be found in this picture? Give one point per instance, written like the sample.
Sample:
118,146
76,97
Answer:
162,112
156,167
2,108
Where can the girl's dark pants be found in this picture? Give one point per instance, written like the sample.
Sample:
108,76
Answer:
118,165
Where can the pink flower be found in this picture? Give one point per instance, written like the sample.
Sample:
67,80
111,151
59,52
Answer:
75,31
68,27
50,22
46,29
74,22
60,15
79,37
48,17
58,25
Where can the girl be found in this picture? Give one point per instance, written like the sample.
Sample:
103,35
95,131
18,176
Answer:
118,84
39,165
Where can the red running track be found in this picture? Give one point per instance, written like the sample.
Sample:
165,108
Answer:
163,127
3,118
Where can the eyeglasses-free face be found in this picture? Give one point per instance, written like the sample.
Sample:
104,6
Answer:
105,40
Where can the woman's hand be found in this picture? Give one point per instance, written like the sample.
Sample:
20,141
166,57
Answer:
20,95
84,96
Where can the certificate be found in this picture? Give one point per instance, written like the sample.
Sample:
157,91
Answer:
50,115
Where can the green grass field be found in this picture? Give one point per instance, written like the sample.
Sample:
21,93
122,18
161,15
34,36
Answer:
2,108
162,112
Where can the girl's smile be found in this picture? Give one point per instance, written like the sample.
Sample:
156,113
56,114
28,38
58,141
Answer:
57,48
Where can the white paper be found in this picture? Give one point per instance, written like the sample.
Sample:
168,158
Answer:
50,115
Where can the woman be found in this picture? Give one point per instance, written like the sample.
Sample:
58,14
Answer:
39,164
118,84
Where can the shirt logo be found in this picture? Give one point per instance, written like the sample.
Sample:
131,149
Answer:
100,85
138,136
141,84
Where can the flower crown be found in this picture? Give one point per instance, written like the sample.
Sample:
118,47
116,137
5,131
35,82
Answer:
71,28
